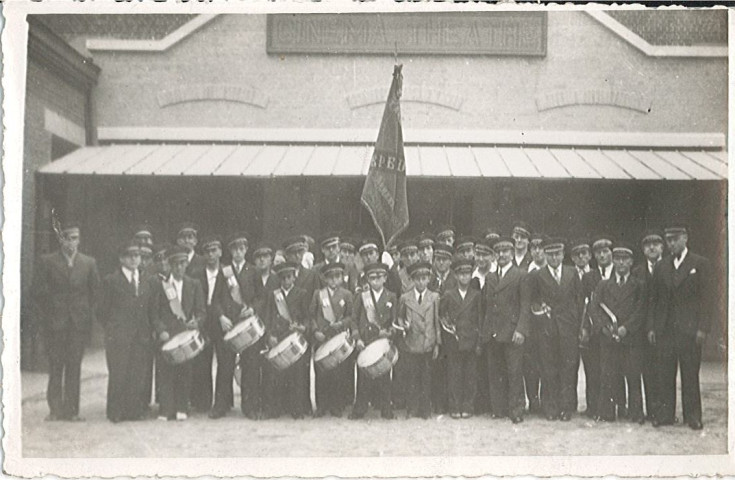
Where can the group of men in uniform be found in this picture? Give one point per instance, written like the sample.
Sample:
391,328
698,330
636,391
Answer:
492,325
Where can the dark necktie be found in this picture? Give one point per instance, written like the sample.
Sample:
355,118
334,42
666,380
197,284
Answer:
421,297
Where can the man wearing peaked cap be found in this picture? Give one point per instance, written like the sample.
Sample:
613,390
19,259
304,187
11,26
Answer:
331,314
258,283
177,307
123,313
491,233
418,315
187,237
294,249
486,262
142,234
375,313
581,256
287,311
459,312
425,243
369,253
217,323
504,328
465,248
521,236
329,245
618,305
652,243
442,279
65,304
556,301
531,351
538,259
446,235
683,310
590,332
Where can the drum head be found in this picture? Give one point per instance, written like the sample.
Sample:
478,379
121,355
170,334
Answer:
330,346
179,340
373,352
236,330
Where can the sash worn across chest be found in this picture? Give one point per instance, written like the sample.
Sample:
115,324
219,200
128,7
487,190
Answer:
327,309
281,305
367,301
174,302
233,285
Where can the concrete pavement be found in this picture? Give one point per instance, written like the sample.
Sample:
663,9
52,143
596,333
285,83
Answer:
235,436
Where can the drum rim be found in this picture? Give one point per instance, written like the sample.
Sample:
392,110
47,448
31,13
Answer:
374,342
331,351
189,334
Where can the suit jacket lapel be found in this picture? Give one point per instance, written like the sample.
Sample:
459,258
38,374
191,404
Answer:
508,278
683,272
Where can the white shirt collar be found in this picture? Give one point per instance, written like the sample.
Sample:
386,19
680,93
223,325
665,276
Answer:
417,293
212,273
286,292
377,294
606,271
463,293
678,262
554,271
505,269
238,266
130,274
190,255
618,277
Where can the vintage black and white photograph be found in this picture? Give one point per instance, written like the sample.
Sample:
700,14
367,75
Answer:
333,238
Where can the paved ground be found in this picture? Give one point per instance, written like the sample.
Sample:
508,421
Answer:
235,436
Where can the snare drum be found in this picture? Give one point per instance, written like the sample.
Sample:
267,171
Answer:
334,351
288,351
183,347
378,358
245,334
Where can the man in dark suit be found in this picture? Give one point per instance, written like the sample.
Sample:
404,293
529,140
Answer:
504,328
589,335
329,245
294,249
124,315
485,265
331,314
442,279
521,236
557,300
187,237
178,306
459,313
375,311
218,323
287,311
531,348
682,315
65,288
618,308
653,249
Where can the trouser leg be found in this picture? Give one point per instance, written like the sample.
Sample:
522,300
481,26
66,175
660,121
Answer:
72,372
223,388
55,353
591,358
455,381
667,365
469,375
550,368
514,369
201,379
632,369
569,356
609,368
690,356
497,377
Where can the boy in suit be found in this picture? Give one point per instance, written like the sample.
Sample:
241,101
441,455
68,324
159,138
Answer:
331,311
442,279
459,314
124,315
617,307
418,315
556,300
177,307
66,285
287,311
652,244
683,300
376,308
505,327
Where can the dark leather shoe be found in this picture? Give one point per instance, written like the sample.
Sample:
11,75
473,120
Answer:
516,419
565,416
456,415
696,425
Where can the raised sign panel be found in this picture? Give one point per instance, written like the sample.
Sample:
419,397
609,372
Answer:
485,33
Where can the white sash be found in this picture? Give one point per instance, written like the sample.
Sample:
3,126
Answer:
281,305
327,309
367,301
173,299
233,285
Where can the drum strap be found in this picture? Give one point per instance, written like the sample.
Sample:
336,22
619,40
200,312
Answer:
233,285
174,302
281,304
327,309
367,301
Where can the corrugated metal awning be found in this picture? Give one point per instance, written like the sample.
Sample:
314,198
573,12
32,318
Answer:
426,161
